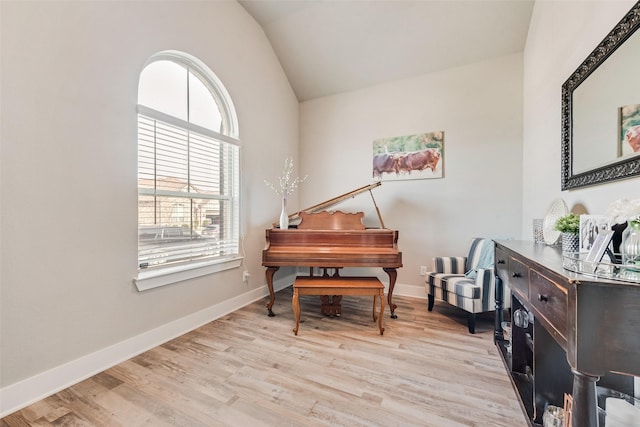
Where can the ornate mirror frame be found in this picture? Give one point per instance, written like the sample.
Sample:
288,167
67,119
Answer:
614,171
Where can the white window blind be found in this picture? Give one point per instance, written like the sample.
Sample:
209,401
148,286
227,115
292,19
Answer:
188,184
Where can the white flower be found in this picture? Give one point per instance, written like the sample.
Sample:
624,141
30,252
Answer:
623,210
286,185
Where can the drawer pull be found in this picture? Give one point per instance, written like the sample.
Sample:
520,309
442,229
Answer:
516,275
542,298
500,261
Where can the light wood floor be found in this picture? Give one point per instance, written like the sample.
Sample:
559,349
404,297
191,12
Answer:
248,369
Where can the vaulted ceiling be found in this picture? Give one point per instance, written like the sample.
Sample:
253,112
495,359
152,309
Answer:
332,46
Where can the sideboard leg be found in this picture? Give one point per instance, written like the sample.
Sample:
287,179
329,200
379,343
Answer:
585,404
497,330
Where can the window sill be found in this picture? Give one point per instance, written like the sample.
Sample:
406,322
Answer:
166,276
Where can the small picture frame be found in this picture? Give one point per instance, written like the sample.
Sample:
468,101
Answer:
590,227
598,249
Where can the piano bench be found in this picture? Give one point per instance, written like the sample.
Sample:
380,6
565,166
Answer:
336,285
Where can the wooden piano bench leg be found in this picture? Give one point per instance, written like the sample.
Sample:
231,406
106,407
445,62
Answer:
374,309
295,302
381,311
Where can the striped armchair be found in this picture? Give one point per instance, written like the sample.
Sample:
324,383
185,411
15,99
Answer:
466,282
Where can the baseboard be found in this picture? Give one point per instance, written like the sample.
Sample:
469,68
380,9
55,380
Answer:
21,394
410,291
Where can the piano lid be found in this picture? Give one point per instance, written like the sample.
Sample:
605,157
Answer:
334,201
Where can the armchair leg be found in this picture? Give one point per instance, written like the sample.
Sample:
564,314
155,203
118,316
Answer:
471,322
431,300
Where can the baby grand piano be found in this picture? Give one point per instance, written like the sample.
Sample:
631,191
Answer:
332,240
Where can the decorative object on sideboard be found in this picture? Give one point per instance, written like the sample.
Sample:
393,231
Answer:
568,406
617,229
590,227
616,408
558,209
538,235
627,211
570,242
553,416
522,318
598,249
605,269
630,244
286,186
506,333
569,227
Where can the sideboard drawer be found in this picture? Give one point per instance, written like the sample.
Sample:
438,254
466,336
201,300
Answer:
519,277
550,300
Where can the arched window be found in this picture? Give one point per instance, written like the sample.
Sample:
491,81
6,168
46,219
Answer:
188,166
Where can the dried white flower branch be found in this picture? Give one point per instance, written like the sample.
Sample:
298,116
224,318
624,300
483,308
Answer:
286,184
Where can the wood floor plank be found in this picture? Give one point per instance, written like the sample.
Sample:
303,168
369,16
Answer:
250,369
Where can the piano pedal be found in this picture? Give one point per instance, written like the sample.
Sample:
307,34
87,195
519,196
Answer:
330,305
331,310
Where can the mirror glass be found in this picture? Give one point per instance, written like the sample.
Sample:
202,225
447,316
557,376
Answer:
601,110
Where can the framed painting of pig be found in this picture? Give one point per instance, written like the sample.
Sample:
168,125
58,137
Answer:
408,157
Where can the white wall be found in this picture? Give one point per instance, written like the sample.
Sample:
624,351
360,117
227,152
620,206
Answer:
69,192
479,107
561,35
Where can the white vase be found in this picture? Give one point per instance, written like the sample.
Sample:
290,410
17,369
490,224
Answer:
630,244
284,218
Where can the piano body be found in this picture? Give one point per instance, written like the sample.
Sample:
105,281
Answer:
332,240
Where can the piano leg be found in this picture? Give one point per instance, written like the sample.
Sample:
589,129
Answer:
272,295
295,303
393,274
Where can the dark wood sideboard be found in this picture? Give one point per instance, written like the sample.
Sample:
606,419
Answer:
585,332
